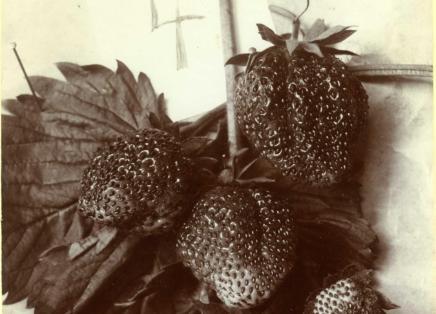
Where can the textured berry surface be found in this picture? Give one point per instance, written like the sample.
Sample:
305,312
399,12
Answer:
137,183
346,296
303,113
240,241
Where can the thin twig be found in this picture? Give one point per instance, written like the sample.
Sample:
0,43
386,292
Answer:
229,50
14,49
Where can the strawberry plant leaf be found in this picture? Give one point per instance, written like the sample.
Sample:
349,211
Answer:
129,80
126,281
15,131
333,35
258,167
117,93
269,35
27,109
335,51
286,36
206,139
147,97
204,123
315,30
27,233
57,123
386,304
100,239
46,144
291,45
44,173
89,77
282,11
166,121
206,162
335,216
63,97
195,145
312,48
150,274
240,59
62,284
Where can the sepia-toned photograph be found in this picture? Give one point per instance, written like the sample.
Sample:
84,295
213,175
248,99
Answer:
217,157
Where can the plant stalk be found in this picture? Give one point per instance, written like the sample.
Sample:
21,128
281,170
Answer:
229,50
296,29
296,24
388,70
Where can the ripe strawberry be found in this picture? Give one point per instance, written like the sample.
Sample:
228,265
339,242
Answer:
240,241
301,108
351,295
137,183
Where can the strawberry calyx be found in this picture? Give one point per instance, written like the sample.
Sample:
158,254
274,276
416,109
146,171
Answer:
318,40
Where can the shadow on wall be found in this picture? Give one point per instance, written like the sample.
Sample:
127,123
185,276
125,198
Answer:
396,184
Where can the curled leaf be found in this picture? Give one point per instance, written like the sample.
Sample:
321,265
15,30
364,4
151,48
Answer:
269,35
282,11
240,59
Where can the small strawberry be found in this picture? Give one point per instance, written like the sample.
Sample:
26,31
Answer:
300,107
137,183
350,295
241,241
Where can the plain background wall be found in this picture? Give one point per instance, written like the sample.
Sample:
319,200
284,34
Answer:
397,182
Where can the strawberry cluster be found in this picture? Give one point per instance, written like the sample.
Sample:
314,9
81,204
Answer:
300,108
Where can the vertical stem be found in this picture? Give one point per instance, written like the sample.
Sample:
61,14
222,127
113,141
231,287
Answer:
296,29
182,61
229,50
296,25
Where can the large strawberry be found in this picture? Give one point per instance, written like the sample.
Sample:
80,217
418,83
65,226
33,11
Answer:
349,295
300,107
241,241
137,183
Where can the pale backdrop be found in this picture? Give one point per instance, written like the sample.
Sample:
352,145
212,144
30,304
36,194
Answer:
396,183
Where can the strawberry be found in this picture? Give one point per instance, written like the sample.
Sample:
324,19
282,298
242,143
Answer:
240,241
137,183
300,107
349,295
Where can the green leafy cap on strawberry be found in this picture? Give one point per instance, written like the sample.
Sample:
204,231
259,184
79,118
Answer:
318,40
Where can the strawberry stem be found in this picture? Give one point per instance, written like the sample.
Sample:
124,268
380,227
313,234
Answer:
229,50
296,25
386,70
304,11
296,29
